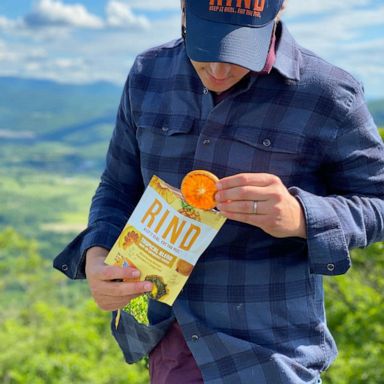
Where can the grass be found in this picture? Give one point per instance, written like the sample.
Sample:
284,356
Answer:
46,206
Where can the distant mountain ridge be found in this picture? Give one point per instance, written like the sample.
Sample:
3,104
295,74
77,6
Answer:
30,83
47,125
65,127
42,106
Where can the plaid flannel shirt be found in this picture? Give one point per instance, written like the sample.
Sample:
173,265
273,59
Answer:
252,310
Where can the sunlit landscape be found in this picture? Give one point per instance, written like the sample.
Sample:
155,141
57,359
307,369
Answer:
57,111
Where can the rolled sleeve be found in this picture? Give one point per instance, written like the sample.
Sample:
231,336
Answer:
351,214
328,252
71,261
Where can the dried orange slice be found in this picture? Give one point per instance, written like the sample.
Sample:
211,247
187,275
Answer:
198,189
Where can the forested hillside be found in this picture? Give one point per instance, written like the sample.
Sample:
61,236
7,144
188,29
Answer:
53,140
50,331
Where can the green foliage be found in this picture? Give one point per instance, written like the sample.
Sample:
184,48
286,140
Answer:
381,131
50,331
54,344
355,309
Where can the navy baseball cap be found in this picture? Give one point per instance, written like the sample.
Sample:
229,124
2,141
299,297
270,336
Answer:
231,31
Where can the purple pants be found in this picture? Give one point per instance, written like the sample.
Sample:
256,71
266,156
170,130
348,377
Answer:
171,361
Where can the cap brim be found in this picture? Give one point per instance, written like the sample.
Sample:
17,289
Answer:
209,41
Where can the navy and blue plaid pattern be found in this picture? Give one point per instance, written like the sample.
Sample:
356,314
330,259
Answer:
252,310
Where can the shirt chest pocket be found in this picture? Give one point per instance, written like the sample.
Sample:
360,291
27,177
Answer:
279,153
166,143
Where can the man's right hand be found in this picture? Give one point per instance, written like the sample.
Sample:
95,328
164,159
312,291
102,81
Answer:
112,287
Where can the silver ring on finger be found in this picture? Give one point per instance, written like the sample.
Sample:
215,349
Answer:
254,207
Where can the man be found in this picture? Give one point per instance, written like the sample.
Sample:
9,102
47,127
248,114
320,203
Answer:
301,168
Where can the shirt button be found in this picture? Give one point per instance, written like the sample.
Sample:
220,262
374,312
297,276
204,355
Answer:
267,143
64,267
206,141
195,338
331,267
205,91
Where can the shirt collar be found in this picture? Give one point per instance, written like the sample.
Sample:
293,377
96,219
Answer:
288,56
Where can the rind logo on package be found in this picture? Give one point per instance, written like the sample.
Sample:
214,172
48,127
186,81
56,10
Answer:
157,219
241,7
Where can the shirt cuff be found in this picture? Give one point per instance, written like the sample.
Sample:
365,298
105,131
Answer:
328,252
71,261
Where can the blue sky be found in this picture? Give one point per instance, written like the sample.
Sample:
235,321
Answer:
81,41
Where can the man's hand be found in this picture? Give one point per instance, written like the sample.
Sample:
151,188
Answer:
262,200
112,287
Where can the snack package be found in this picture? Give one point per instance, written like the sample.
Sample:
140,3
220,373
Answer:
164,238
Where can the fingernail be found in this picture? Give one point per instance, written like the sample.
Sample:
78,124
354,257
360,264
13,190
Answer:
219,186
148,286
135,273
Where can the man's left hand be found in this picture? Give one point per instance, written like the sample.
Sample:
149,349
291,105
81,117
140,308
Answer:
262,200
